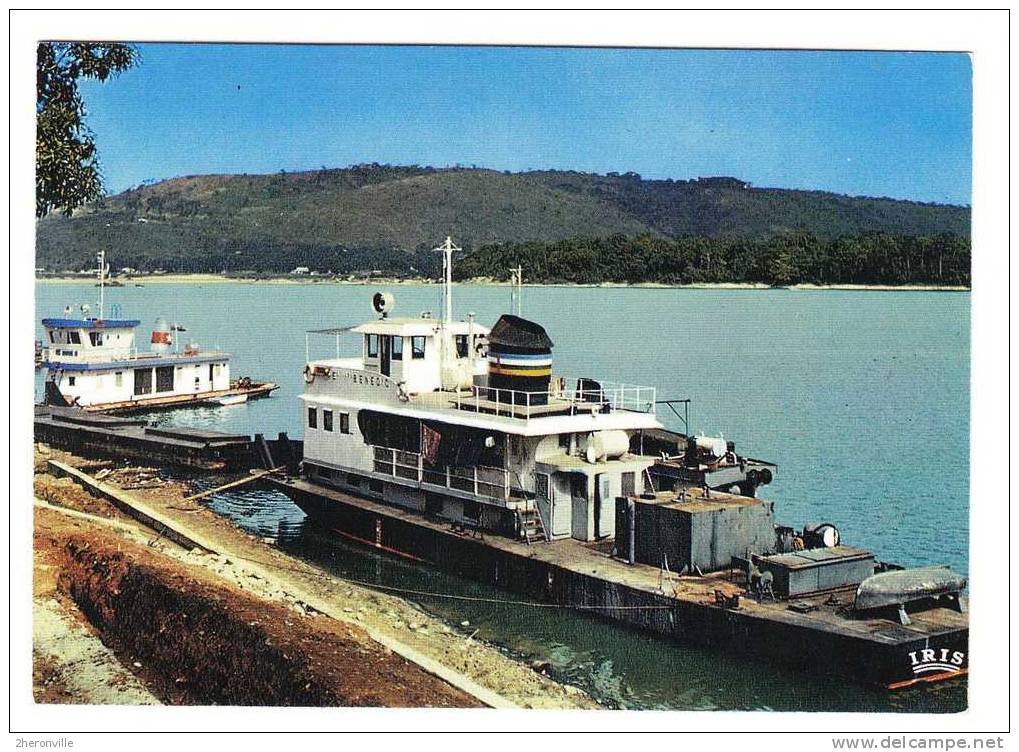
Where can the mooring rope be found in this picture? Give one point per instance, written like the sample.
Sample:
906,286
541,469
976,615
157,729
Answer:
452,596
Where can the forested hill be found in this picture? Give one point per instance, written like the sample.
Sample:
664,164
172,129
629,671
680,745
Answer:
374,217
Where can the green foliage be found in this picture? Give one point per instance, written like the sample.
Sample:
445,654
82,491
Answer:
388,218
67,172
868,259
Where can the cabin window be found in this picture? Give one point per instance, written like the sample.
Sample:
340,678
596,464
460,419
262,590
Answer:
373,345
118,378
542,486
344,423
353,480
211,372
96,338
564,441
143,381
74,338
462,349
397,348
327,420
70,380
629,483
312,417
164,379
417,347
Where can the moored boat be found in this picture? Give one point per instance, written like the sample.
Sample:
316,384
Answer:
93,362
456,444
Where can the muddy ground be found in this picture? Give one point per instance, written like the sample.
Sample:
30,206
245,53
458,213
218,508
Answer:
205,629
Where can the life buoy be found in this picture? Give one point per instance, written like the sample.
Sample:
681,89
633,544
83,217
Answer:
309,375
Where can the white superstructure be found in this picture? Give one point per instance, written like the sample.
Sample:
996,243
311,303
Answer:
423,413
95,363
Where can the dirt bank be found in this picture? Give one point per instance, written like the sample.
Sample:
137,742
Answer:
191,639
385,618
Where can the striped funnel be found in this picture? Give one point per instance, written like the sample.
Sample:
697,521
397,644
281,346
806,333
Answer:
519,359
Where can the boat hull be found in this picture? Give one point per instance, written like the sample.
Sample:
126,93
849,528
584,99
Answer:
559,572
175,401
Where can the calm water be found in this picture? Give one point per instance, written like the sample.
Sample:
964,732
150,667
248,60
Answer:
862,398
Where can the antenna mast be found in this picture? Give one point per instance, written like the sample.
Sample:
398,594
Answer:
447,249
516,290
101,271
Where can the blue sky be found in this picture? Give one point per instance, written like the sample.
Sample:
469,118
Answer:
877,124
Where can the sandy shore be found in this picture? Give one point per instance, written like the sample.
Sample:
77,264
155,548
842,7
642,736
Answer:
216,279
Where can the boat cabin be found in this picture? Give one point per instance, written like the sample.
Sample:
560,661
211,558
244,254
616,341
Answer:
452,419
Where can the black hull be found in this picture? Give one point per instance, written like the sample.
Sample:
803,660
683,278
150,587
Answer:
815,647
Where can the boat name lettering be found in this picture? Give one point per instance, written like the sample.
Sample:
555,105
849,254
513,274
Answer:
366,379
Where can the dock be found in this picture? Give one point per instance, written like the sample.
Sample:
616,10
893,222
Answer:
81,432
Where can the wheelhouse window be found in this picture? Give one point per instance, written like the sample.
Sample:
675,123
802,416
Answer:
417,347
327,420
70,380
74,338
372,345
312,417
344,422
53,340
96,338
397,348
462,346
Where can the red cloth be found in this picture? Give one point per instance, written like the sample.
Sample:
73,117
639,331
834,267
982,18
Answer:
429,444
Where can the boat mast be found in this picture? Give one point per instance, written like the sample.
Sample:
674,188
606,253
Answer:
101,271
516,290
447,249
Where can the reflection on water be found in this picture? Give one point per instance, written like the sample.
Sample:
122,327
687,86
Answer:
862,399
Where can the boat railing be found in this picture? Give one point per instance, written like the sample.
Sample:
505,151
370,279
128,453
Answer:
54,353
479,480
585,396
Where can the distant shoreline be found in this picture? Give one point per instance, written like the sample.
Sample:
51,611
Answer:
164,279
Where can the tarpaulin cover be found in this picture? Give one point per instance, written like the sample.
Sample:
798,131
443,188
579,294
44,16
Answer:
905,585
514,332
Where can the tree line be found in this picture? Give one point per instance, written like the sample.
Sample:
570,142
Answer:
866,259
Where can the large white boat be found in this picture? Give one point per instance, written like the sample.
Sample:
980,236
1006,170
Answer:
94,363
458,421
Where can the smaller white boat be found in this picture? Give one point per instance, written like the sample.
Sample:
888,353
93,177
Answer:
231,399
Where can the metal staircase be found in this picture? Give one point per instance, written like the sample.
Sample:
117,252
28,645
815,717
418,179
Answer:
531,525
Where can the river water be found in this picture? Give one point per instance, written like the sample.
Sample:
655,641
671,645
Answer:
862,398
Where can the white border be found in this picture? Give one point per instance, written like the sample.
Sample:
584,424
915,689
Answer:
984,34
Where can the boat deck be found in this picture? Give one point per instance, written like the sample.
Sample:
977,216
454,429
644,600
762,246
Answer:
594,560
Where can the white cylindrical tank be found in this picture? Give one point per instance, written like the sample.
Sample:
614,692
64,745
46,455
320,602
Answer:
715,445
606,445
162,337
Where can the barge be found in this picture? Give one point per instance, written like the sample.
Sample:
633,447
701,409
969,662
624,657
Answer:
92,362
454,444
